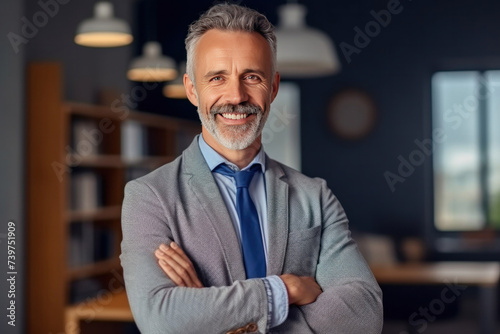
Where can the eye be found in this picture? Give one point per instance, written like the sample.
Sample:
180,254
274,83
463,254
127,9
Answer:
252,77
218,78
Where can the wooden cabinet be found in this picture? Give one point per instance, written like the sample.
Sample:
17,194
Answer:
68,275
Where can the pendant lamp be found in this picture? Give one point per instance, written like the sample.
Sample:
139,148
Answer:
175,89
303,52
152,65
103,30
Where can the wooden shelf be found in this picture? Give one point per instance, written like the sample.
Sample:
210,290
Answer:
147,119
99,161
51,124
115,308
93,269
116,161
90,110
149,162
106,213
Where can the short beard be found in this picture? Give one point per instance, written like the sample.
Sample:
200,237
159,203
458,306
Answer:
234,137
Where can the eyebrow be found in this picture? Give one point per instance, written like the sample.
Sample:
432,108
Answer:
246,71
250,70
214,73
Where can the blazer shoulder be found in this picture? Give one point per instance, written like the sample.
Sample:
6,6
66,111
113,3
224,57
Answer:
176,172
294,177
168,171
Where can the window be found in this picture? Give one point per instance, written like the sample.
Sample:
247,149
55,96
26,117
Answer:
466,165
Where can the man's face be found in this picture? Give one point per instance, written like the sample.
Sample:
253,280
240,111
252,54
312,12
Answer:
234,86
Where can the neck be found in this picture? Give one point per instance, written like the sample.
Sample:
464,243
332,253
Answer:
240,158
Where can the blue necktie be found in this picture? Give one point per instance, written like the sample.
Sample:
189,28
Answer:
251,238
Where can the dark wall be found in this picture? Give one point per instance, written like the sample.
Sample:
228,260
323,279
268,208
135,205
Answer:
87,71
394,67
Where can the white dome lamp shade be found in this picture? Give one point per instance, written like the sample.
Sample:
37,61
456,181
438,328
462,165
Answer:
103,30
175,89
303,52
152,65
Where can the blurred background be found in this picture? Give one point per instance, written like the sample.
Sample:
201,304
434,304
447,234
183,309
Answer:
400,120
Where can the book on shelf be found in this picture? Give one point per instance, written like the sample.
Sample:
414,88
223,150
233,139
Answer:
104,243
86,190
133,173
86,137
84,290
89,243
133,140
81,244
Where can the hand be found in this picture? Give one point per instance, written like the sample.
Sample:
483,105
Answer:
302,290
177,266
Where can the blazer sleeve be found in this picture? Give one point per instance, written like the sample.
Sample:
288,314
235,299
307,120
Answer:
157,304
351,301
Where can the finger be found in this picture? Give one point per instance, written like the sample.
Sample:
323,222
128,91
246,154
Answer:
170,262
181,267
172,253
179,250
175,272
176,254
186,263
170,272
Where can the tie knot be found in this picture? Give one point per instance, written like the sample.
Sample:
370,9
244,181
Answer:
242,178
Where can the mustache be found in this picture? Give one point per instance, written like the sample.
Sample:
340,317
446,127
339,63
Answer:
245,108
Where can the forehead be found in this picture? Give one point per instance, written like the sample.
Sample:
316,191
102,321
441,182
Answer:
218,46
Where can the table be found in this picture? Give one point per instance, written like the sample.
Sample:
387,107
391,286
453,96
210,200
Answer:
484,275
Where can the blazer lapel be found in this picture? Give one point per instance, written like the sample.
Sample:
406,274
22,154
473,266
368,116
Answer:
277,215
206,192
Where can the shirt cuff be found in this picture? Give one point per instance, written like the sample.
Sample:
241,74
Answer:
277,299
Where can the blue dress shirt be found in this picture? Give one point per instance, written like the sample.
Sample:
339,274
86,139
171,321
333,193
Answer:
275,288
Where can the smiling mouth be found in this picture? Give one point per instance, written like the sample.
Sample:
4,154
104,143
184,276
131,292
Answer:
234,115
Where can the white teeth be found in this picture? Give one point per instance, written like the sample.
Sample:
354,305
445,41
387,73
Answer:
234,116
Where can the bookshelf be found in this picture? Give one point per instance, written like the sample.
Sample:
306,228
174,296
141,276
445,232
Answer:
79,158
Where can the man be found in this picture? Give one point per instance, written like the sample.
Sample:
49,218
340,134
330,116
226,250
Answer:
203,253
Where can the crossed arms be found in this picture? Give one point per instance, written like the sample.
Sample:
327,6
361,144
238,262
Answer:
206,297
301,290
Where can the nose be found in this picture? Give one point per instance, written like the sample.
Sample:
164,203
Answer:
236,92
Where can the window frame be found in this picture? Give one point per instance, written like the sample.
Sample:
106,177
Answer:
486,240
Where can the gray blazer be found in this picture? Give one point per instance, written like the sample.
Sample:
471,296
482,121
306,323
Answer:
308,235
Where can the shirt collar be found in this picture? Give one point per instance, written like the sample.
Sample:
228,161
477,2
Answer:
214,159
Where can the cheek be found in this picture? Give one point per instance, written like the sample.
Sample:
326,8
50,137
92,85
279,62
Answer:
262,97
204,109
265,105
207,99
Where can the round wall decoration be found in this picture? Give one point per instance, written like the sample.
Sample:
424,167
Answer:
351,113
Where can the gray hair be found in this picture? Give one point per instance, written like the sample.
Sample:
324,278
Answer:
229,17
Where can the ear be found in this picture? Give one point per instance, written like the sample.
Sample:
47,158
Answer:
190,90
276,85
